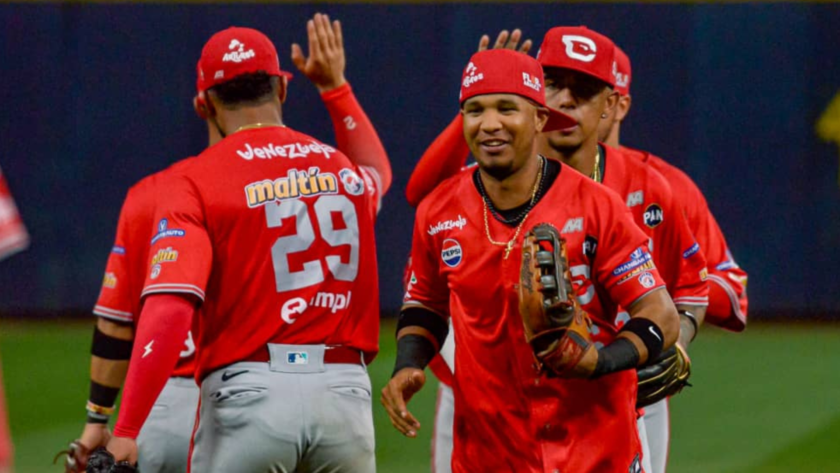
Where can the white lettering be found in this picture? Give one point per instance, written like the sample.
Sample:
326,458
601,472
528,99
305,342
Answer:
447,225
294,150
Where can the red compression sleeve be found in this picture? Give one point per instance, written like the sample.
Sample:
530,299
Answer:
355,134
161,332
443,159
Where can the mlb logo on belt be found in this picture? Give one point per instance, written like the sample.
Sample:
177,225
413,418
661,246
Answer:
297,358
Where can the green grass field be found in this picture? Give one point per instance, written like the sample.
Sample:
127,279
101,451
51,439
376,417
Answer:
767,400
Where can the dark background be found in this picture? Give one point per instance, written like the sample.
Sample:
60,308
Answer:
94,97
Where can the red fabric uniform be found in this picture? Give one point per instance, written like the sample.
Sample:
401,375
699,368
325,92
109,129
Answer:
277,230
125,272
728,281
507,418
13,238
13,235
675,251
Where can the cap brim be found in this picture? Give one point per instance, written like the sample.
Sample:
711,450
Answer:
558,121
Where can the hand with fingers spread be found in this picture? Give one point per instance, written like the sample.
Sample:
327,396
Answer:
397,393
507,40
326,62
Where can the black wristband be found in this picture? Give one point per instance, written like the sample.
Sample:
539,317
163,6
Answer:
94,418
413,351
110,348
649,333
422,317
103,395
619,355
693,319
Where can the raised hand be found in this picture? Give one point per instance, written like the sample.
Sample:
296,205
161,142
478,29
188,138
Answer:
506,40
326,62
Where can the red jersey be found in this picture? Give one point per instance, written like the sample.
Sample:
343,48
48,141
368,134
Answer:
675,251
13,235
276,228
125,272
507,417
724,272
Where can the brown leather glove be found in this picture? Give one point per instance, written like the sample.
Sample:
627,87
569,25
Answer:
555,325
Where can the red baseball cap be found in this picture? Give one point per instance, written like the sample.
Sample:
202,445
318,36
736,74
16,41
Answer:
503,71
580,49
622,72
236,51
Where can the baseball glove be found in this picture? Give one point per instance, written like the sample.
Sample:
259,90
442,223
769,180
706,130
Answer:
555,325
101,461
76,457
664,377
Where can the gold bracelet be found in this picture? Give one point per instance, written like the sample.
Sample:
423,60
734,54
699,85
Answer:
96,409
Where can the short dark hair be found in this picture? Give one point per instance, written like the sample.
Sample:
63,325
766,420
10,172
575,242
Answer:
247,90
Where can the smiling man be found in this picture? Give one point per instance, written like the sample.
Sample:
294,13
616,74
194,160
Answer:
509,416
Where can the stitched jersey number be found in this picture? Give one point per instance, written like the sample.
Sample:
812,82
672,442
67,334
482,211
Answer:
312,272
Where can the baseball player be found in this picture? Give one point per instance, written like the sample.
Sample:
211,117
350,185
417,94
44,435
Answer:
727,281
276,246
163,442
13,238
579,79
509,416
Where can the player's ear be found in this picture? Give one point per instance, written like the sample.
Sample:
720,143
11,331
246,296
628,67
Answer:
611,101
541,118
624,103
203,107
282,88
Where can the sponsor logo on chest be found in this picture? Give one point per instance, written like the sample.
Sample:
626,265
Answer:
653,215
451,253
635,198
573,225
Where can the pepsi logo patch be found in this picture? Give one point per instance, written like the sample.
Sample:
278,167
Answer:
647,280
451,253
653,215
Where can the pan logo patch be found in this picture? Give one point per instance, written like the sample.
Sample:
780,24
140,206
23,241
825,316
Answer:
653,215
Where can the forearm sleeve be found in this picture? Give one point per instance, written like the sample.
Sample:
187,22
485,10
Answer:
443,159
164,324
355,134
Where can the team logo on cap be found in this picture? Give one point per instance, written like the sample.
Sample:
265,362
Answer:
532,82
237,52
451,253
580,47
653,215
621,80
472,76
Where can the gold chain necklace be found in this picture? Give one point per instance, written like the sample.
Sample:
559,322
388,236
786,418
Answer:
509,245
257,125
596,171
